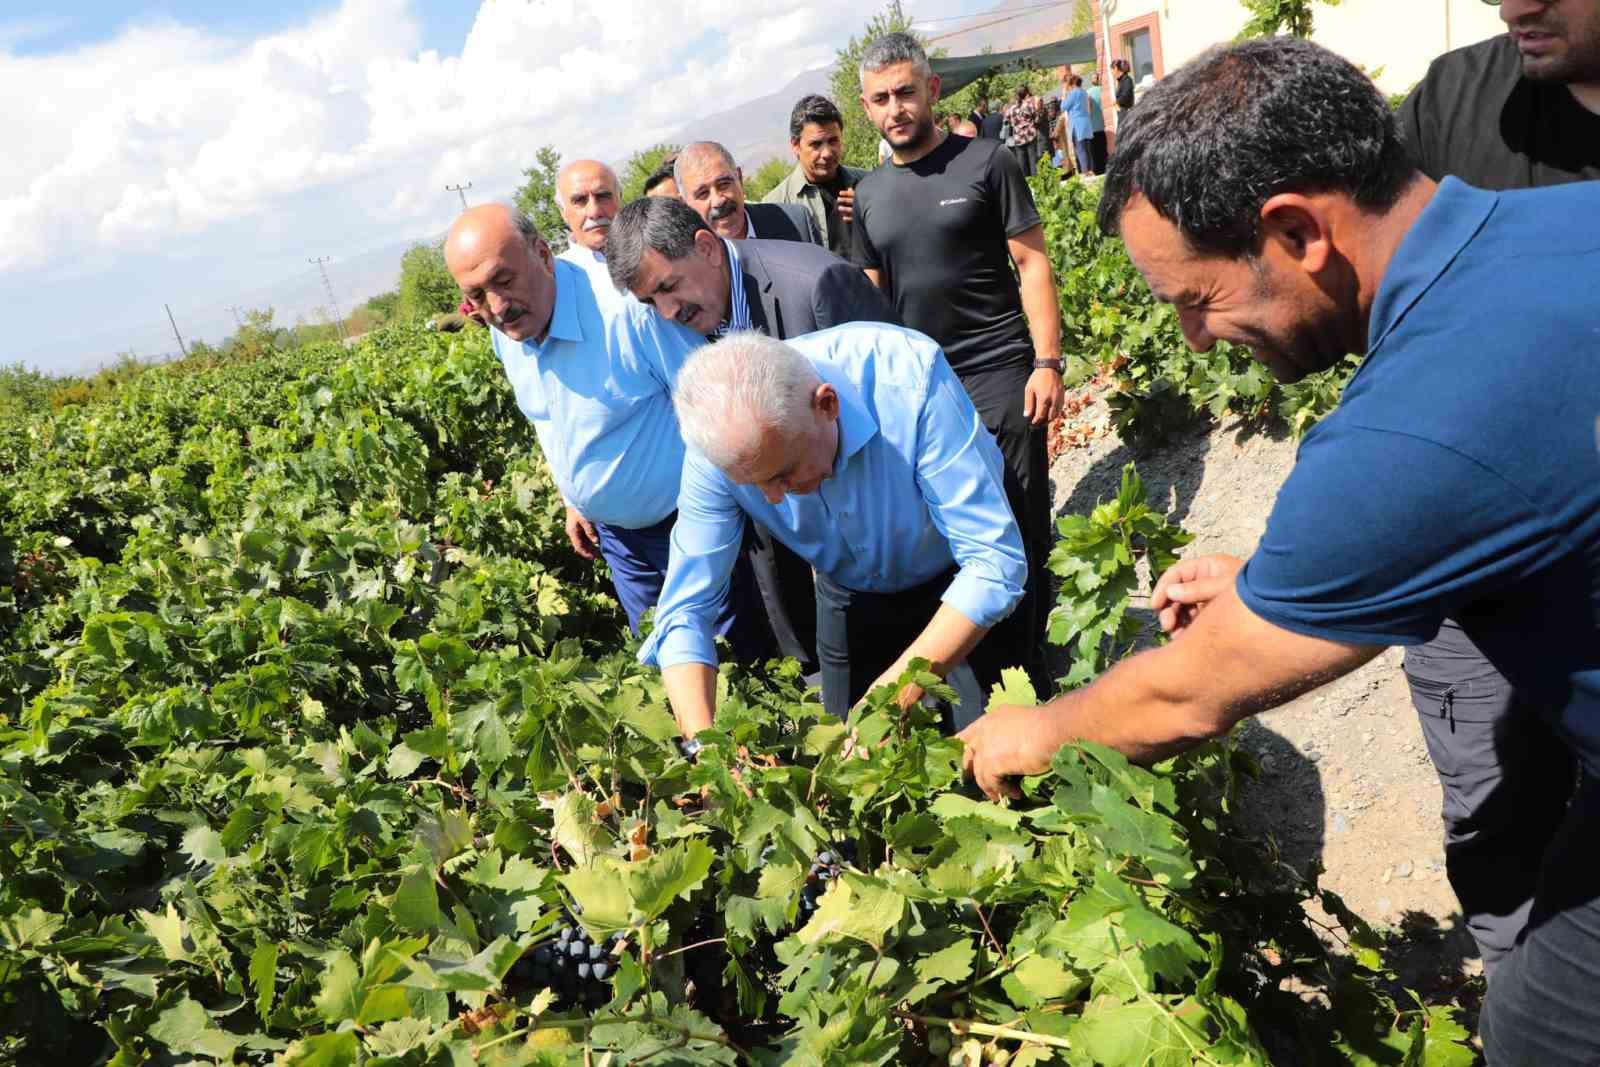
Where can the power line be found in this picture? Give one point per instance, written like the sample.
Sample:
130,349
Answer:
338,316
461,191
986,25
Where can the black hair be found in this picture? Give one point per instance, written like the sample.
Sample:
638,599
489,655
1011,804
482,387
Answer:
663,223
661,174
1241,123
815,109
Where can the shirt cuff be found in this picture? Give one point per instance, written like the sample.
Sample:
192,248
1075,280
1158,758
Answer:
679,640
983,598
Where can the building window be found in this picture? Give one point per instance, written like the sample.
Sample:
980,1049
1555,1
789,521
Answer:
1139,50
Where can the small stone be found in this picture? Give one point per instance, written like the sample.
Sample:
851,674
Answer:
1384,905
1267,764
1366,739
1404,869
1388,873
1341,823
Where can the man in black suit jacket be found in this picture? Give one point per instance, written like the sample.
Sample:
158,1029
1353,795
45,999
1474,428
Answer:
666,255
713,184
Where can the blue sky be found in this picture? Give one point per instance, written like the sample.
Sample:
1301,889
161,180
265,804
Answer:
197,154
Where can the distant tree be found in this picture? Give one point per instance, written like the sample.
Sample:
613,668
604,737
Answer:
537,197
766,178
860,136
1269,18
383,307
257,336
425,283
640,166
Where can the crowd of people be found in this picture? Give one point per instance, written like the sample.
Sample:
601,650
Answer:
815,426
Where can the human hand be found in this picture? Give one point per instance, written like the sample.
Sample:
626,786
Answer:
1045,396
845,205
1189,585
1008,741
581,532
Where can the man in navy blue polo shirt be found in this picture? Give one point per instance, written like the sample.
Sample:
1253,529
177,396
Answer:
1264,191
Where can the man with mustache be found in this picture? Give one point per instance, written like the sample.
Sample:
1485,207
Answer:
858,448
713,184
594,377
589,197
1457,478
1514,112
665,255
940,229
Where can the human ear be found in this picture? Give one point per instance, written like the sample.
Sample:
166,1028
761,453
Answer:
1300,228
826,401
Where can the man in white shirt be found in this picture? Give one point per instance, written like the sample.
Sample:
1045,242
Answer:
589,197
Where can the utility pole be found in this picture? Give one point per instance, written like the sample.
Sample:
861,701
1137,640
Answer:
338,316
237,321
461,191
175,332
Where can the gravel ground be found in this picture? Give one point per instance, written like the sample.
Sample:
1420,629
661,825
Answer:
1346,777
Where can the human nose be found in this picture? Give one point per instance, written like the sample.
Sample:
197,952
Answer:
1194,331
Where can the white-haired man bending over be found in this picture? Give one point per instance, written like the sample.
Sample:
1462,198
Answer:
858,448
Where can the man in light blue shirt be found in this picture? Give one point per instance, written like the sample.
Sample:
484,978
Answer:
859,449
594,377
589,198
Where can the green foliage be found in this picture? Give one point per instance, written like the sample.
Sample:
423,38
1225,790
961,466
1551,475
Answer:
426,287
640,166
311,726
24,390
766,178
1271,17
1112,325
537,197
1097,558
860,136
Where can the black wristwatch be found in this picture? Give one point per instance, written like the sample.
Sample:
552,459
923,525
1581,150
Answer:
1048,364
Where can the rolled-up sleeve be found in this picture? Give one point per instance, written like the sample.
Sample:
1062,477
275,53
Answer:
959,471
706,540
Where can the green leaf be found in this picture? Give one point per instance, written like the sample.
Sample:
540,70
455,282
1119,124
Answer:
673,872
185,1027
264,976
1014,688
1038,979
1141,1032
855,906
601,890
202,844
169,930
324,1050
577,827
340,986
416,902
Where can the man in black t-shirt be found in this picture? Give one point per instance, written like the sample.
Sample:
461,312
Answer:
939,229
1519,111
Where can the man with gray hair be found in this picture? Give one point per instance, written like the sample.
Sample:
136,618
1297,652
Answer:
712,183
589,197
858,448
594,377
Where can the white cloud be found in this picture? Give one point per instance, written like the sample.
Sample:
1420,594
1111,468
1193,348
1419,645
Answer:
152,139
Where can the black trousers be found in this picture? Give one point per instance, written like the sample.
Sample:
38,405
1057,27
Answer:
1506,778
1543,1007
784,581
860,635
1018,640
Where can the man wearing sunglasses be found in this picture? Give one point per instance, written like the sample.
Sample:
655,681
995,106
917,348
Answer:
1516,112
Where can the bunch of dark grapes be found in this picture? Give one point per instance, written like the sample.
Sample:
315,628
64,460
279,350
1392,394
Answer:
574,965
824,869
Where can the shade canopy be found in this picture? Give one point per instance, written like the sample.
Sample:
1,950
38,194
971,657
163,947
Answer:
958,72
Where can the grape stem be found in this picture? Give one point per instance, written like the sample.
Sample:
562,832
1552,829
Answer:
697,944
969,1026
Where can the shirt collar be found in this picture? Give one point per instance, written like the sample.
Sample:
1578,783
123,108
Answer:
564,324
749,225
856,424
1446,226
738,317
